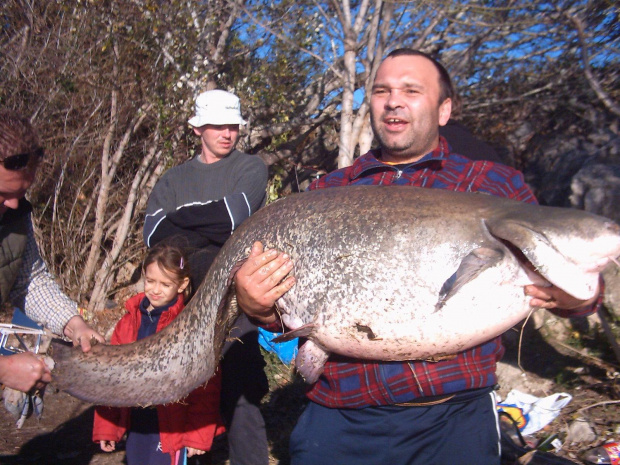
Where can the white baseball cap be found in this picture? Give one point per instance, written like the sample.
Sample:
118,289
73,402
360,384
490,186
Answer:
217,107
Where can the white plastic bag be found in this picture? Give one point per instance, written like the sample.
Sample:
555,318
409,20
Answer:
533,413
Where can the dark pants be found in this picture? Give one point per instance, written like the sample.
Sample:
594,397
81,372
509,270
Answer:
244,382
460,433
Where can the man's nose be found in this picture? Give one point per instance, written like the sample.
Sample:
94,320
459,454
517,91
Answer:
394,99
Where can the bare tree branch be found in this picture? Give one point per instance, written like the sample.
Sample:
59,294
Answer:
587,69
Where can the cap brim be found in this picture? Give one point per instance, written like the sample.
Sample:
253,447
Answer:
197,121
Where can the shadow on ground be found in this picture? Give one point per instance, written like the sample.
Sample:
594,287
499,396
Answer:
281,412
537,356
69,443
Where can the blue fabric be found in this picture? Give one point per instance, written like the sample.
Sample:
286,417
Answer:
150,319
183,456
20,318
143,442
455,433
286,351
145,449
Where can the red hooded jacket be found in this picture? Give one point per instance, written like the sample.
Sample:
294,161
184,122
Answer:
193,422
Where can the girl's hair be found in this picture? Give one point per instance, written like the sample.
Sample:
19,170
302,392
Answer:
172,261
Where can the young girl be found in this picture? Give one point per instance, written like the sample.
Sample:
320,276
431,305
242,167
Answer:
164,434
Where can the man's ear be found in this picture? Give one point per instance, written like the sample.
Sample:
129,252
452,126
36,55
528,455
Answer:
445,110
198,131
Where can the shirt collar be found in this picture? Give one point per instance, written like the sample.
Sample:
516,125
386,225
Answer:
145,304
370,161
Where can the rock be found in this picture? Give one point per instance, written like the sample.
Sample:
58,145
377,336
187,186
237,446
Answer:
564,170
580,432
611,276
511,377
596,189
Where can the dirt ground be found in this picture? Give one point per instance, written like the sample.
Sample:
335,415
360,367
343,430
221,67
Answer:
63,435
589,375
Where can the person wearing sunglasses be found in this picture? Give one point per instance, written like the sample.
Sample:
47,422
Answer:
25,281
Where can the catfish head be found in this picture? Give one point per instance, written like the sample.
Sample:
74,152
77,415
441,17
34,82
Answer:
568,247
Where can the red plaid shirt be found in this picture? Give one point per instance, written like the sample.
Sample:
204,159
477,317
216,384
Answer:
348,383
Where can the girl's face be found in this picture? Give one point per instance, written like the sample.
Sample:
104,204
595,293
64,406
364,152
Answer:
159,287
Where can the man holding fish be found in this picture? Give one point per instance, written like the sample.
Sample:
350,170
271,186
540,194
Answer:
418,411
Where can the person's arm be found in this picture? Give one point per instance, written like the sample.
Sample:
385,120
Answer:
156,225
24,371
214,220
109,426
203,222
251,179
202,416
39,295
109,423
107,446
78,331
200,224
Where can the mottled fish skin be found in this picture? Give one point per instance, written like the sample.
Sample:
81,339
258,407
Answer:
159,369
383,273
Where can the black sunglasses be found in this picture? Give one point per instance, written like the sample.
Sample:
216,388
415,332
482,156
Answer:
21,160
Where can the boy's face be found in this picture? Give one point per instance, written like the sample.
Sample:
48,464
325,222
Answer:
217,140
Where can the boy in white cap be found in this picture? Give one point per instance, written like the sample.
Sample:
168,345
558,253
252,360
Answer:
198,204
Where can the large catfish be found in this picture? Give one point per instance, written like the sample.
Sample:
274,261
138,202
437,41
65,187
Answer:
383,273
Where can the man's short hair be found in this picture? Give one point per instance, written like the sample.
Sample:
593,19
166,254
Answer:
16,135
445,83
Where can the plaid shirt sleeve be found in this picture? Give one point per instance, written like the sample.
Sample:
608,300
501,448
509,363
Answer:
585,311
38,294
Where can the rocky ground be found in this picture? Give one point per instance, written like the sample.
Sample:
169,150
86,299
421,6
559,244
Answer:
582,366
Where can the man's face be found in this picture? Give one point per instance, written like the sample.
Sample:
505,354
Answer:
405,112
13,186
217,140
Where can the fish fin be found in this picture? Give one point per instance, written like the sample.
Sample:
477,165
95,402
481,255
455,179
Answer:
471,266
310,361
302,331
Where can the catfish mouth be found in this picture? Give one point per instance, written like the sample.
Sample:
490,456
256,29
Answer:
532,272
